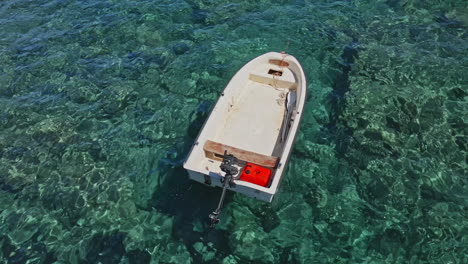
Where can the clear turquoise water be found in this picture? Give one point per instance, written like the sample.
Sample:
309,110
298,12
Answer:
100,101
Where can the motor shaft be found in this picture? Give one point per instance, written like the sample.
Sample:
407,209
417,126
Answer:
231,171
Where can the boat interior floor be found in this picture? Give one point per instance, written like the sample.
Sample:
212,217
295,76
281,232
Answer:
254,119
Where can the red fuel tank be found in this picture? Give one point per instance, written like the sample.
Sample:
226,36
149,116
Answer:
256,174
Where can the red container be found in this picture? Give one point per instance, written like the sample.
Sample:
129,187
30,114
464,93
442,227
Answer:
256,174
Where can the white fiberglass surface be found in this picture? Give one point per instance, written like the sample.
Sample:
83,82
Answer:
253,120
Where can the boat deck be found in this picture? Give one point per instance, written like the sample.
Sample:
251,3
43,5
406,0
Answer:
254,119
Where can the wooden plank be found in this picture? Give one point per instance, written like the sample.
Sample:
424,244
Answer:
212,147
280,63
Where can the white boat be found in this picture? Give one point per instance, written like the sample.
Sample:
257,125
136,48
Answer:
255,120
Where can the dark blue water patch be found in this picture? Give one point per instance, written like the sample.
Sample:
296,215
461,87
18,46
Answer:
199,117
138,256
340,133
29,50
457,94
443,20
389,242
154,57
394,3
180,48
106,248
29,250
199,16
11,186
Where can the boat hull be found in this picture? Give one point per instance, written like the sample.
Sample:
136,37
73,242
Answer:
245,190
253,121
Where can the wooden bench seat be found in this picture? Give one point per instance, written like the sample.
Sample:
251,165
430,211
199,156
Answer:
216,150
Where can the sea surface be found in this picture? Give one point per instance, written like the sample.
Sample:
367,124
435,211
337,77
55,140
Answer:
100,101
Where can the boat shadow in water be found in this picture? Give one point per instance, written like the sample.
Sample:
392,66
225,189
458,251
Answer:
334,130
190,202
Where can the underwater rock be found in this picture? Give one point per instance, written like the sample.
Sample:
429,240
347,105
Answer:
173,253
248,240
230,260
149,231
106,248
431,113
180,48
138,256
36,251
207,253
